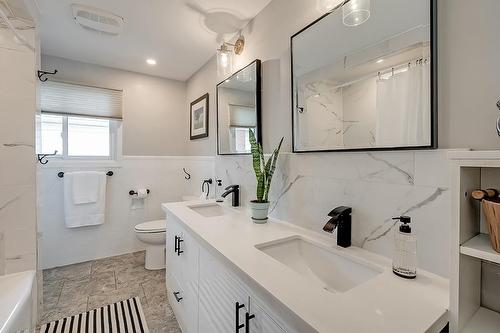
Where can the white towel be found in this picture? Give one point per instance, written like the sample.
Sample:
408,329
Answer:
84,203
86,186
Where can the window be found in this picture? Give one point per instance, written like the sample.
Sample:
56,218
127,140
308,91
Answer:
241,139
79,121
78,137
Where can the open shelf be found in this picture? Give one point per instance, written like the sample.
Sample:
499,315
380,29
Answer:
484,321
480,247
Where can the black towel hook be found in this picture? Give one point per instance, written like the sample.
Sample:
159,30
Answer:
41,75
42,158
187,176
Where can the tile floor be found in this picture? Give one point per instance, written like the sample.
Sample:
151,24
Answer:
77,288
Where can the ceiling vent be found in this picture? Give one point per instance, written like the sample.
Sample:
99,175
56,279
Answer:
97,20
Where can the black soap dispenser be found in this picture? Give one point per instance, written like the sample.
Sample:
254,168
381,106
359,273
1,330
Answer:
404,263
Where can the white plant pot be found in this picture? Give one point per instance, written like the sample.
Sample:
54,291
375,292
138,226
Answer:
260,211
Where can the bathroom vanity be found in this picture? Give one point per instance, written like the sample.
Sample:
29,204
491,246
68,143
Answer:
227,274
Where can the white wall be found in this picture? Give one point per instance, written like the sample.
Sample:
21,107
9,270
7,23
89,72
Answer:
153,107
17,151
202,82
469,84
162,175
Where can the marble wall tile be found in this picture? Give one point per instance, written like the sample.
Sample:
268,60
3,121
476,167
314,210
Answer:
17,142
377,185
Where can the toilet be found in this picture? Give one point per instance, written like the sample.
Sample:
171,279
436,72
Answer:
152,233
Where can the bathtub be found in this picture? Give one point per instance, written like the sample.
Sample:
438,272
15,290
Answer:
18,302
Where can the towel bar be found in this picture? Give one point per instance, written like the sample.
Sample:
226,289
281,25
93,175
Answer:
61,174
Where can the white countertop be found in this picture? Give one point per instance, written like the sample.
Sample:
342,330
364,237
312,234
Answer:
386,303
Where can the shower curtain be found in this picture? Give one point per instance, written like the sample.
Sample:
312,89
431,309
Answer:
403,108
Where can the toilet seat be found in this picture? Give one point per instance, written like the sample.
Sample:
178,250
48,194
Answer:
152,226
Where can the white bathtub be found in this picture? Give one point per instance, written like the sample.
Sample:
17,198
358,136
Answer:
17,302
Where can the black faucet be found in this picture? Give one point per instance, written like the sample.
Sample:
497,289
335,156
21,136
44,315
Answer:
341,220
235,190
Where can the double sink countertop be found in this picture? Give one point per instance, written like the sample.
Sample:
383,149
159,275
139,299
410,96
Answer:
384,303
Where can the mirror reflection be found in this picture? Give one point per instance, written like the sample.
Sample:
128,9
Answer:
238,110
367,85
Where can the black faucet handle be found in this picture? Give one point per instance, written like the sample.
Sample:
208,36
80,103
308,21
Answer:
340,211
230,187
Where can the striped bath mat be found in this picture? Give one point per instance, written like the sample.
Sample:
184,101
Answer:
121,317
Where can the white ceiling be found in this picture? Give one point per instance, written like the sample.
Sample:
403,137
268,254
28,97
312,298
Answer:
171,31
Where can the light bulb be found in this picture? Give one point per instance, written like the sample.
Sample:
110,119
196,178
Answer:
224,61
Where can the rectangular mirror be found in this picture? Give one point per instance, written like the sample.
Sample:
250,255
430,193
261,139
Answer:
364,78
238,110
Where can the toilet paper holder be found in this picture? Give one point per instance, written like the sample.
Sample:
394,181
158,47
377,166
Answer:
132,192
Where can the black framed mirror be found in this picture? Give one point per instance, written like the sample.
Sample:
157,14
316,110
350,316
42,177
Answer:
239,110
364,77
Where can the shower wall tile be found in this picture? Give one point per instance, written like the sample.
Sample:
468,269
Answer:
17,163
377,185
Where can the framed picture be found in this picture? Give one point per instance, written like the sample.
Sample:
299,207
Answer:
199,118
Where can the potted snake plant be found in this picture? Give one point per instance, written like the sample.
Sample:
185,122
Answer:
264,171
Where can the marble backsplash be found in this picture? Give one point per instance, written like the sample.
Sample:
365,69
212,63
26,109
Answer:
377,185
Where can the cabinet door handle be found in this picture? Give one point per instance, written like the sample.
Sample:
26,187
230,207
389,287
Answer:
248,317
176,247
237,319
177,298
179,241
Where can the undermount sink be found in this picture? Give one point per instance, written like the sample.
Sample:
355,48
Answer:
335,272
210,209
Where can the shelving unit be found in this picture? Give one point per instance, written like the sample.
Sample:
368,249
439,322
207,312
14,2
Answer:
484,321
480,247
470,244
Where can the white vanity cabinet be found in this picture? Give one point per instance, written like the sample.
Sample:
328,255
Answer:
182,276
211,299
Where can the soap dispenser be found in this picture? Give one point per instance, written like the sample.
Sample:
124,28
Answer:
404,263
218,191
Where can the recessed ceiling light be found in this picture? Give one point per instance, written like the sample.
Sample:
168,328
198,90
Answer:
151,61
379,61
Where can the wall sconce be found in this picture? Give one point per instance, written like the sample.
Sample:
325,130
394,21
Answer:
225,56
356,12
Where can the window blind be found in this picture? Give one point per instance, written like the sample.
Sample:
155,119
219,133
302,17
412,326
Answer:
80,100
242,116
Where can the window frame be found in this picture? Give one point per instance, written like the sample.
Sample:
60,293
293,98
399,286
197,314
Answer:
114,125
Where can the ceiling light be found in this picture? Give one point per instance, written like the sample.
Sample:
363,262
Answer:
380,61
151,61
356,12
